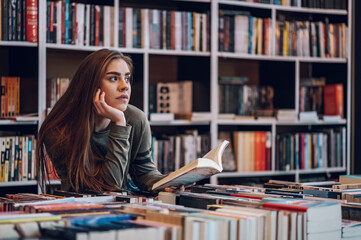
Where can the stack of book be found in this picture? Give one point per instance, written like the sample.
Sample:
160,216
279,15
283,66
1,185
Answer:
279,210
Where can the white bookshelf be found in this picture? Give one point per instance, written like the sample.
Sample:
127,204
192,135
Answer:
45,50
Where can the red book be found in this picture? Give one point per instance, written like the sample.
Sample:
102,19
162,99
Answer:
32,20
263,165
333,99
268,151
97,25
172,30
257,151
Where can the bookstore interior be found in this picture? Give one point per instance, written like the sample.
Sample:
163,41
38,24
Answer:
251,107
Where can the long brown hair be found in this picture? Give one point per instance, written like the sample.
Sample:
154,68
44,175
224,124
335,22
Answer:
74,117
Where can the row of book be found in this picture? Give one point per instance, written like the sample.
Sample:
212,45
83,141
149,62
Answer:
279,210
275,2
79,24
10,96
311,95
311,39
17,158
326,99
164,29
19,20
240,32
55,88
252,151
173,152
93,25
324,4
244,100
310,150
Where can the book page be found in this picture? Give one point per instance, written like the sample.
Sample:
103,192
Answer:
216,153
197,170
187,178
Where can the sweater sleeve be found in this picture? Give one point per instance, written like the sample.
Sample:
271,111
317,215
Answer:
142,169
115,162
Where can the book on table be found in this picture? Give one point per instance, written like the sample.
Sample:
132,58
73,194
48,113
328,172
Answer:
199,169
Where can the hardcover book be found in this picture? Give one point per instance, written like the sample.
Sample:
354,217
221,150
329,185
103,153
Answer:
197,170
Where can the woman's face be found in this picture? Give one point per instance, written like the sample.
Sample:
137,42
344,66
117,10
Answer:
116,84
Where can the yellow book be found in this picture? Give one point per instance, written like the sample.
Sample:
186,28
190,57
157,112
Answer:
15,218
285,38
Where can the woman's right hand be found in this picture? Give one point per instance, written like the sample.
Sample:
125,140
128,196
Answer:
107,111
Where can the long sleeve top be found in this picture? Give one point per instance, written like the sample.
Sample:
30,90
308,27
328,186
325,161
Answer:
123,151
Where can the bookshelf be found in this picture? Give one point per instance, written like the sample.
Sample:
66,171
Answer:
204,68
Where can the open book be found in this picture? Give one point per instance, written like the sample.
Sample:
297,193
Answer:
197,170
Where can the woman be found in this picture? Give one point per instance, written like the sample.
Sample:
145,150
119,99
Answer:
94,138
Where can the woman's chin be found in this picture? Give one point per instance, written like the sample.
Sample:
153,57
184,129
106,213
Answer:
123,107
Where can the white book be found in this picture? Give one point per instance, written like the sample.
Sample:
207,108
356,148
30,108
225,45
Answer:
87,25
197,28
321,39
106,26
178,30
58,22
161,117
12,142
270,38
129,27
79,41
238,34
254,34
25,158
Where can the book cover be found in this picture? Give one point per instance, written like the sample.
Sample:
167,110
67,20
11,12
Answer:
32,20
333,99
316,210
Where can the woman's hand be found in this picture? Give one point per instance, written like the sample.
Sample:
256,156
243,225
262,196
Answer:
181,188
107,111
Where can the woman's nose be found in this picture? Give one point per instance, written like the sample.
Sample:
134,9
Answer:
122,86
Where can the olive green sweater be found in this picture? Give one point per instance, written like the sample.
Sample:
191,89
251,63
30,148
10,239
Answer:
123,151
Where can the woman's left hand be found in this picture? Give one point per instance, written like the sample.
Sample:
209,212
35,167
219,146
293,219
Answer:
103,109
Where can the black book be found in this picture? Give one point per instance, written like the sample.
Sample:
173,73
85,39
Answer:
195,200
92,26
19,6
5,20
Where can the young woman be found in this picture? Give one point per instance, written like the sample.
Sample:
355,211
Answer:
94,138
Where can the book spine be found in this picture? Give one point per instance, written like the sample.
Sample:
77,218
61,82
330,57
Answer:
32,20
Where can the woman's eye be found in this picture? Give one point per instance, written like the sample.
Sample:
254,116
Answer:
113,78
127,79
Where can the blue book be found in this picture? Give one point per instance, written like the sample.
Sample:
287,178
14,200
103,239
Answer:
190,31
307,151
66,22
296,151
250,34
100,220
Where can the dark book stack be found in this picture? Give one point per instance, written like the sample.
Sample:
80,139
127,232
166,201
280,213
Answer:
326,4
173,152
19,20
79,24
17,158
165,29
225,211
240,32
311,94
310,150
310,38
241,99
